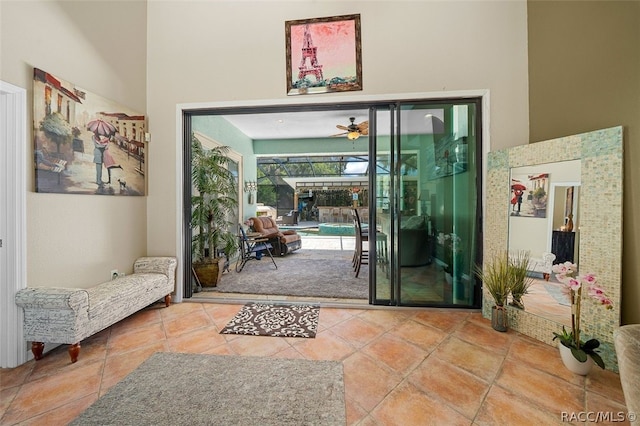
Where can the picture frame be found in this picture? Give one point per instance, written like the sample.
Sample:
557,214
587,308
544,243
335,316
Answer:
323,55
84,143
529,194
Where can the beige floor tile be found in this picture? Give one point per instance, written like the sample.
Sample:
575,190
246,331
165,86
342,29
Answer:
117,367
357,332
62,415
257,345
135,339
197,341
421,335
484,337
331,316
180,309
610,411
398,354
408,406
385,318
91,350
606,383
325,346
445,320
502,407
543,389
474,359
187,323
141,318
6,398
354,412
401,366
40,396
444,381
367,382
221,314
10,377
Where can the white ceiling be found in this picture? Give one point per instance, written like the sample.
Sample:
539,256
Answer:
322,124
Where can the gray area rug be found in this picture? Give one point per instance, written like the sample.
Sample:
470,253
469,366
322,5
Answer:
317,273
273,319
555,291
193,389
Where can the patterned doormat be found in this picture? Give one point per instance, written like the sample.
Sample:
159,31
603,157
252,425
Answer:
271,319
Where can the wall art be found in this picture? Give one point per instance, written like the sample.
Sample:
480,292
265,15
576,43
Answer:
83,143
323,55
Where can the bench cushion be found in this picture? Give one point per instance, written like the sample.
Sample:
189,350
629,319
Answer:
111,299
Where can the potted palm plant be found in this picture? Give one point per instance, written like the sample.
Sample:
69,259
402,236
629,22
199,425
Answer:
213,201
496,278
520,280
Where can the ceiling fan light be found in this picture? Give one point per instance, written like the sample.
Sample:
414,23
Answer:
352,136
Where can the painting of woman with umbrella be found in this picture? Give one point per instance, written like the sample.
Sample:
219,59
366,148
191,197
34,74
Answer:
84,122
102,131
534,188
517,189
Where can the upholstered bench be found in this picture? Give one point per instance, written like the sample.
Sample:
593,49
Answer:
627,343
69,315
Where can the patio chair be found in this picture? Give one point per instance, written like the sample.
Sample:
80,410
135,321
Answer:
290,218
252,247
283,241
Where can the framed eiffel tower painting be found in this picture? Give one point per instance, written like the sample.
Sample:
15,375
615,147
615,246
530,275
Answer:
323,55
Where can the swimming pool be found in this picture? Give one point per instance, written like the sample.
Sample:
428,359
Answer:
331,229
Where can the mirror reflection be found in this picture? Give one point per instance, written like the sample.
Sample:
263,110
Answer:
544,220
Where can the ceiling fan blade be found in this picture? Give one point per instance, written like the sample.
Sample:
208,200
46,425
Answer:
364,125
338,134
341,127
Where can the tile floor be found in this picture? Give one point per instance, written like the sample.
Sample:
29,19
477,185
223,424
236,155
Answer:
401,367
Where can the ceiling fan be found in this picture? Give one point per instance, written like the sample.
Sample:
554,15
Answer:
353,131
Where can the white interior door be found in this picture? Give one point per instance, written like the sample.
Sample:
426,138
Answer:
13,275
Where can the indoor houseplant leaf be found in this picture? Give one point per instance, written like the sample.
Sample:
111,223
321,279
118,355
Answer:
520,279
212,204
566,273
495,276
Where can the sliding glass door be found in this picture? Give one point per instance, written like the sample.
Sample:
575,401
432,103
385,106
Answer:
427,206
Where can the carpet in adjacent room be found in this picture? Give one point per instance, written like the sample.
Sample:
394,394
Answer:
275,319
195,389
303,273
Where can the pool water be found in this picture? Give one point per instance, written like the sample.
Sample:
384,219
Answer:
329,229
336,229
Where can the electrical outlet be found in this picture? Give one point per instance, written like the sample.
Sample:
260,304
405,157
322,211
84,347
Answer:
114,274
121,274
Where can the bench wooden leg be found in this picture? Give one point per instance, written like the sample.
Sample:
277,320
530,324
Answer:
167,300
37,348
74,351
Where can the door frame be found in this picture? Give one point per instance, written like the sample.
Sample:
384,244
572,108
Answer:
13,233
183,128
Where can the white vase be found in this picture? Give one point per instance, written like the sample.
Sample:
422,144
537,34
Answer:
575,366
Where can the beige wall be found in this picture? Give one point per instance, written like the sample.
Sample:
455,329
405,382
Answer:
582,53
584,74
234,52
75,240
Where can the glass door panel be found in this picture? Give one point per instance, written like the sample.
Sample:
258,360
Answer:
437,198
382,206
